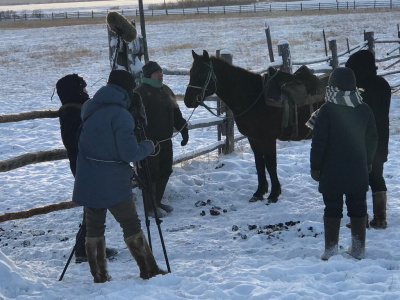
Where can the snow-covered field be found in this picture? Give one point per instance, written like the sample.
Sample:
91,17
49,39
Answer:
230,256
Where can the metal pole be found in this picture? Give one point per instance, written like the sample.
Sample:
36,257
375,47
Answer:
143,30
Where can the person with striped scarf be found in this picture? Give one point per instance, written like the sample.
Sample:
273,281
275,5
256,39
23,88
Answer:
343,146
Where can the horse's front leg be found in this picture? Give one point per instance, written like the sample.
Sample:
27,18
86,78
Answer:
262,178
271,165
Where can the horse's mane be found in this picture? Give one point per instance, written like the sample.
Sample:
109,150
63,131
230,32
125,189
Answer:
235,73
238,71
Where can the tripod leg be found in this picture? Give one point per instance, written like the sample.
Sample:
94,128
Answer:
70,256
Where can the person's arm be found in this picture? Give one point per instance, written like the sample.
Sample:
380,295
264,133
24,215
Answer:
319,142
371,138
128,147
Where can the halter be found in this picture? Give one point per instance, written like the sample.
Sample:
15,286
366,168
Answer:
211,75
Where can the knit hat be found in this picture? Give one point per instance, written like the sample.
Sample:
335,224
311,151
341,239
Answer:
70,89
343,79
123,79
149,68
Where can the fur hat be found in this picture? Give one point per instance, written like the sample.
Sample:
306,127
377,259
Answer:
362,63
149,68
70,89
343,78
123,79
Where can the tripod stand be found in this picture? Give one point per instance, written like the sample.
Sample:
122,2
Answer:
146,185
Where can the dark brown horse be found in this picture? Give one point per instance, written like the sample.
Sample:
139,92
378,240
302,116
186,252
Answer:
242,91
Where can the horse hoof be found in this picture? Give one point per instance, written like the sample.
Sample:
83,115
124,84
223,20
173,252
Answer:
256,198
272,199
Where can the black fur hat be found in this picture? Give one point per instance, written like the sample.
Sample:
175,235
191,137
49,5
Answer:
149,68
362,63
343,78
70,89
123,79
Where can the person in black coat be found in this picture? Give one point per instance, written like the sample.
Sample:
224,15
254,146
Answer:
163,115
343,146
376,93
71,89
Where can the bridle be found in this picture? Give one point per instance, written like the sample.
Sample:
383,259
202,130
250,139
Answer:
210,76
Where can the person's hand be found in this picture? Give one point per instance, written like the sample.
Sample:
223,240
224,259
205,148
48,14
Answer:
369,168
315,174
185,136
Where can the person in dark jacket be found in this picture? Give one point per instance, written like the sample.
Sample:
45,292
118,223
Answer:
343,146
376,93
107,145
163,115
71,90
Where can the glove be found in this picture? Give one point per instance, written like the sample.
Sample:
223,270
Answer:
369,168
185,136
315,174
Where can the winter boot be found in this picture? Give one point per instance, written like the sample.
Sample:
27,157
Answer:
80,250
332,227
160,189
358,229
160,213
96,254
348,225
141,252
379,200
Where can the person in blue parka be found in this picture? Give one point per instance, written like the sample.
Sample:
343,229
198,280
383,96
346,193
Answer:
107,145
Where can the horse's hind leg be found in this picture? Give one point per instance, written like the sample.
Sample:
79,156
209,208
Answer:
271,165
262,177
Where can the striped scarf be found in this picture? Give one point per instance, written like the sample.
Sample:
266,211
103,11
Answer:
346,98
336,96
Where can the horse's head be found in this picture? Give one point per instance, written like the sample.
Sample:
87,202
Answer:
202,81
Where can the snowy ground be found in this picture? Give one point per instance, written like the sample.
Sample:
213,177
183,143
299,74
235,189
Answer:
231,256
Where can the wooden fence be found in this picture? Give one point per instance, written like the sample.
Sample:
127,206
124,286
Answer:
225,125
260,7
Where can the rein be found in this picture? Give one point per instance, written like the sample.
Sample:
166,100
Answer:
211,74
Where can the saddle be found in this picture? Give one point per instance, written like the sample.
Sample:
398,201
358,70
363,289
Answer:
290,91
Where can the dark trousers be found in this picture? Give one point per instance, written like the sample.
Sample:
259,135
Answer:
376,180
124,212
356,205
160,167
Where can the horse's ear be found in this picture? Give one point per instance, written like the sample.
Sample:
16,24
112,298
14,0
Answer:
195,55
205,54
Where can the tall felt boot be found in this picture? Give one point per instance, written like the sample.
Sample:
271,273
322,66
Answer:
332,227
379,200
141,252
358,229
96,254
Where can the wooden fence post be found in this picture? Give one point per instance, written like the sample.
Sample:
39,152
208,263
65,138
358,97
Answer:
369,37
284,52
269,43
229,122
333,48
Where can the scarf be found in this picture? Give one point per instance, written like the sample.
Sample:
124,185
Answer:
152,82
336,96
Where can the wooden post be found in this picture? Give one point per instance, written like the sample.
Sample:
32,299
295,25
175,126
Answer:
284,52
333,48
369,37
269,43
326,49
398,32
229,123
